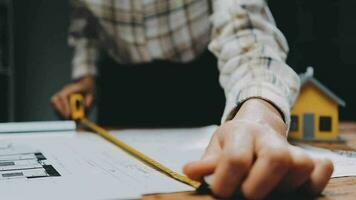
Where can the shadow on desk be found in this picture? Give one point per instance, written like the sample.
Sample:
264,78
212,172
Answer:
195,196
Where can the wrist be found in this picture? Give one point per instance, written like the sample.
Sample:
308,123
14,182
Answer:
262,112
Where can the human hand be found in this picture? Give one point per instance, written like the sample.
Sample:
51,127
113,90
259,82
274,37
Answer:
85,86
251,153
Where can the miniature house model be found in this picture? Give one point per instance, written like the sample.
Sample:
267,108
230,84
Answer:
315,115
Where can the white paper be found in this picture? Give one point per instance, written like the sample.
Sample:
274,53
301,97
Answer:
172,147
93,168
32,127
344,164
176,147
89,167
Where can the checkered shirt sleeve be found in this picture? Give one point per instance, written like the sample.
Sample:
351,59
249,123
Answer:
251,53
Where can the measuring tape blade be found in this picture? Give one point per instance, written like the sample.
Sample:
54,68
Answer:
78,114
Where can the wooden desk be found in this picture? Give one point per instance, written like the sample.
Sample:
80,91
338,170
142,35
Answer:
338,188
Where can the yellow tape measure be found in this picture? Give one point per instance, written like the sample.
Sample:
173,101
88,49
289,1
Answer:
78,114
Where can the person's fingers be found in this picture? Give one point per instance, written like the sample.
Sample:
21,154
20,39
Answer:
299,172
198,169
234,164
320,175
267,171
61,99
67,91
65,104
80,88
213,148
85,85
57,104
89,98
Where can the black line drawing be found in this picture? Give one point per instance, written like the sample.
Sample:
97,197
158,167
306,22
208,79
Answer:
20,164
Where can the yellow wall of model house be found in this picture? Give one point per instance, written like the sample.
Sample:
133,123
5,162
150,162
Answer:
313,100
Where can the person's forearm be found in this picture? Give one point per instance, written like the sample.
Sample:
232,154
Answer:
82,37
251,52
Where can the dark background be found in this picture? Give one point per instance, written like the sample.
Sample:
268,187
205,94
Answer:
321,33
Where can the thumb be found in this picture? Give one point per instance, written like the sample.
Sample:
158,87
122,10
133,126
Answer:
89,98
196,170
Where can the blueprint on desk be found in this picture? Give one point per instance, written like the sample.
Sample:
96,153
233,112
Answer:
64,164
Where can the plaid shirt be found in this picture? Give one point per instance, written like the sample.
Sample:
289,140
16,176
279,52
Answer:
251,51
